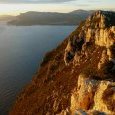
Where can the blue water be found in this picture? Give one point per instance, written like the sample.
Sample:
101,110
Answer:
21,51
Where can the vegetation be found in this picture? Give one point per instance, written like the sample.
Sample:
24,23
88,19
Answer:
110,21
107,68
112,49
91,72
48,57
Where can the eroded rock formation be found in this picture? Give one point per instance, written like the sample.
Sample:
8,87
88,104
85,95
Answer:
92,95
99,28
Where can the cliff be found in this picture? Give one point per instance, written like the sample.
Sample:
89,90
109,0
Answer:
78,77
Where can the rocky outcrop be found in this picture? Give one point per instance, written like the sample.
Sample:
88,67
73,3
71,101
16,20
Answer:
103,60
83,94
78,77
99,29
90,93
93,95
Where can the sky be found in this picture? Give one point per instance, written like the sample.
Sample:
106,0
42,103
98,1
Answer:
15,7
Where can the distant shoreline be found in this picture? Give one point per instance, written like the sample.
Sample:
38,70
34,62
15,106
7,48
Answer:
49,18
43,25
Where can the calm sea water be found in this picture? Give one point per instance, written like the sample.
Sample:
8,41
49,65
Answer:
21,51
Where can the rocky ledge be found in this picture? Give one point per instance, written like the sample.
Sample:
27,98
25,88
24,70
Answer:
78,77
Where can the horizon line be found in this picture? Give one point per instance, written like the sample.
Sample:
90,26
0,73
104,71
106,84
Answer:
7,14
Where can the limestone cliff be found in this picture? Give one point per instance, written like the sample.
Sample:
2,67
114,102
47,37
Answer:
78,77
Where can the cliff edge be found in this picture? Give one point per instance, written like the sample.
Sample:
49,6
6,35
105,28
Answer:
78,77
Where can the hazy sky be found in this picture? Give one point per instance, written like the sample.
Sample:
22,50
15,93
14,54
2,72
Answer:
15,7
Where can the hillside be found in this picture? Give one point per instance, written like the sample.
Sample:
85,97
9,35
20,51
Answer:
78,77
6,17
48,18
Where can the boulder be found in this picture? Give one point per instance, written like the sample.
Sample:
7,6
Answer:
91,94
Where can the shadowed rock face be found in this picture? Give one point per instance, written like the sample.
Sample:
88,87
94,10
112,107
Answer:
78,77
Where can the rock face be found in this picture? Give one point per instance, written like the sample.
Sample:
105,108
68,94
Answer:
78,77
92,95
103,60
101,28
98,28
83,96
